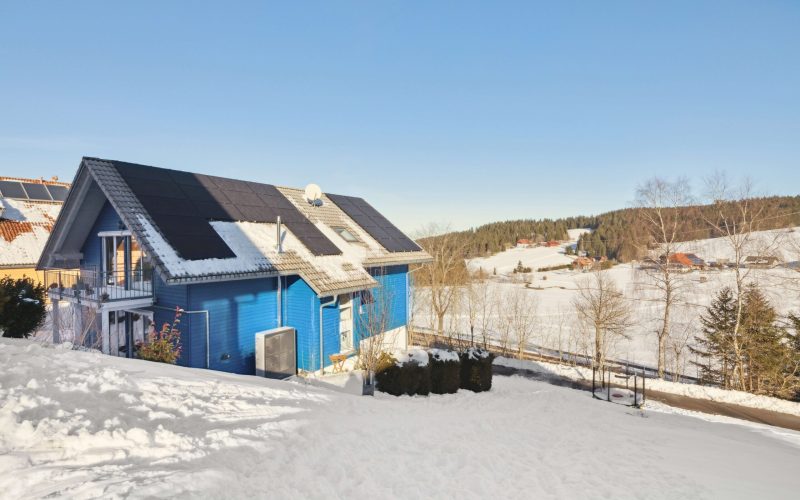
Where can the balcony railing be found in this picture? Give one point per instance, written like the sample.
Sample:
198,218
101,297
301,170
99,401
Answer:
88,285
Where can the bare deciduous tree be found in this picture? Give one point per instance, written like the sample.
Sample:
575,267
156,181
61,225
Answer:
678,345
481,306
373,318
602,308
445,274
660,206
521,308
505,323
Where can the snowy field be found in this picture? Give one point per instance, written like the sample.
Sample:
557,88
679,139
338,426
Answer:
535,258
551,294
85,425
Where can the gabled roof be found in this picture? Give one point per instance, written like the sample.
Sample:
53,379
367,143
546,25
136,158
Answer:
205,228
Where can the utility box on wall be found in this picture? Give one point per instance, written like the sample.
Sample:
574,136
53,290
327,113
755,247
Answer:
276,355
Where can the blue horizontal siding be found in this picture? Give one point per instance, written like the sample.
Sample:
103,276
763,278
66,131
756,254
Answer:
392,293
301,311
237,310
168,297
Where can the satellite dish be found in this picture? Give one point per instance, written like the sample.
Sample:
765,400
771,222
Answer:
313,195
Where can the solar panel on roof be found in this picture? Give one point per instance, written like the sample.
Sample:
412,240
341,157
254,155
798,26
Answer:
12,189
375,224
36,191
182,204
58,193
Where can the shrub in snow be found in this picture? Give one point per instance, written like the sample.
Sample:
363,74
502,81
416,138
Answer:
22,307
163,346
404,373
476,369
445,371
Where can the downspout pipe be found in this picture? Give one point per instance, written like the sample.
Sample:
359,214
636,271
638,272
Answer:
208,329
334,302
280,301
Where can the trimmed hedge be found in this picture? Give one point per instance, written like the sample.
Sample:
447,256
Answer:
409,378
476,370
445,371
437,372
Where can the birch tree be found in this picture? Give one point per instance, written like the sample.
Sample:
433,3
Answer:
737,215
660,207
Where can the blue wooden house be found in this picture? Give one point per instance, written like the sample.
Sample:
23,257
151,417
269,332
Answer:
132,243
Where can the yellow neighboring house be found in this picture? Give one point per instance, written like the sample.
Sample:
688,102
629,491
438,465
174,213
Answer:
28,210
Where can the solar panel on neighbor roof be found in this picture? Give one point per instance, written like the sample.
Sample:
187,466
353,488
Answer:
183,203
12,189
36,191
374,223
58,193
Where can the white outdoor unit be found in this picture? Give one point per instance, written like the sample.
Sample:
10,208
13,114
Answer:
276,355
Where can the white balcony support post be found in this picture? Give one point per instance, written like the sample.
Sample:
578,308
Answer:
105,335
55,315
77,312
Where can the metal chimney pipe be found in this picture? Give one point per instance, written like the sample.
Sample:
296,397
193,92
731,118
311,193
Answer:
278,226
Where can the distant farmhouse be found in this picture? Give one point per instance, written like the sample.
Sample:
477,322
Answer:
246,261
583,263
761,262
28,210
686,261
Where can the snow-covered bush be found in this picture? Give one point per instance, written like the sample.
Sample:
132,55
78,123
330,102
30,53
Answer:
476,369
163,346
445,371
404,372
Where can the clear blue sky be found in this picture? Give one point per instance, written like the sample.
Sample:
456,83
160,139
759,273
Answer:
460,112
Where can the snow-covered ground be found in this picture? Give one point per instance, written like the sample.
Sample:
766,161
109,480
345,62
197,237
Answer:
550,295
83,425
690,390
781,243
535,258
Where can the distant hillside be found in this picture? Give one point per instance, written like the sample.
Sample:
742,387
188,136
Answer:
616,235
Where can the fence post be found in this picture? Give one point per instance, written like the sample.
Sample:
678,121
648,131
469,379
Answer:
643,390
594,390
635,391
608,387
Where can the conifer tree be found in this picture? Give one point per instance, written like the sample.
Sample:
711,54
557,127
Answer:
767,346
713,346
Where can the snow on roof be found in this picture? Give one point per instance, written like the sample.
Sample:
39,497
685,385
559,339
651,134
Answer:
21,243
255,247
253,244
24,229
329,218
21,210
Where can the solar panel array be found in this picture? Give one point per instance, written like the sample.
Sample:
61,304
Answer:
30,191
182,204
374,223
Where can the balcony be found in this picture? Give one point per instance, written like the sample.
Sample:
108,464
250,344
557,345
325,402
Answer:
98,288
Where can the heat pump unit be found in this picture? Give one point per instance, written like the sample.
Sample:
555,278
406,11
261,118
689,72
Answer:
276,356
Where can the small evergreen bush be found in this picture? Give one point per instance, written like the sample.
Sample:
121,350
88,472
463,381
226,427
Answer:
476,369
22,308
445,371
